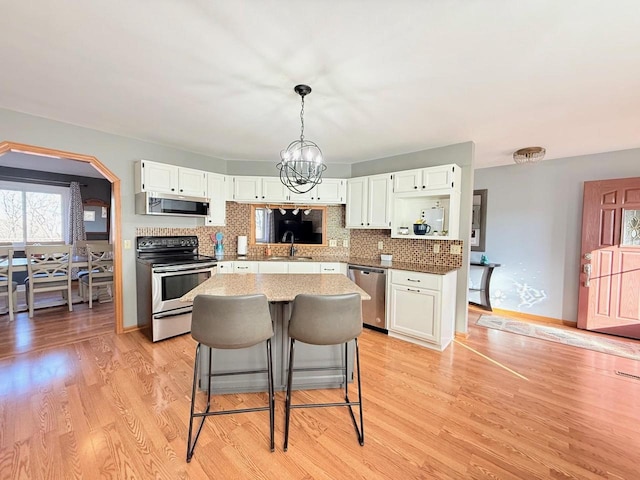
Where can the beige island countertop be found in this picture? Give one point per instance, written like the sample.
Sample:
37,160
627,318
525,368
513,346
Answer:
276,286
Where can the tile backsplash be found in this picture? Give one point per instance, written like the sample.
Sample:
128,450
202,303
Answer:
362,243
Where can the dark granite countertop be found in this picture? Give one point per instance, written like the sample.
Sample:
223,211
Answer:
365,262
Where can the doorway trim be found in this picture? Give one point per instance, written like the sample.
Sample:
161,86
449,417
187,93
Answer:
116,217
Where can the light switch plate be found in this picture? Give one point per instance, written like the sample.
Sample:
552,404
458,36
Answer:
345,243
456,249
333,243
436,248
380,246
127,244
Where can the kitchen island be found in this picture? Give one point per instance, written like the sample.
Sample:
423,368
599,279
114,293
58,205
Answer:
280,290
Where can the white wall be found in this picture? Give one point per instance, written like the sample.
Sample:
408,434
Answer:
534,222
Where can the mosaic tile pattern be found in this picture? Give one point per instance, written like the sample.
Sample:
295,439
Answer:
362,243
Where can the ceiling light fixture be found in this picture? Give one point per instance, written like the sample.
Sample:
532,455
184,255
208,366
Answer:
301,164
296,211
269,209
307,211
529,155
282,211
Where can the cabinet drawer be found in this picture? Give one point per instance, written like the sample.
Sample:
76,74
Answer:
416,279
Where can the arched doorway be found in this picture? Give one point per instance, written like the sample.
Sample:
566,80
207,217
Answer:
7,146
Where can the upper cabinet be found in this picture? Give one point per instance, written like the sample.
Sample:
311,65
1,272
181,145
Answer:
271,190
164,178
259,189
217,189
431,195
369,202
427,179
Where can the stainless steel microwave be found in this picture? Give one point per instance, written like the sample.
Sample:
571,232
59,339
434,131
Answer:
153,203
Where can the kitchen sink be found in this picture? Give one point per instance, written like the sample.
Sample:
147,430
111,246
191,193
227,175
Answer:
290,258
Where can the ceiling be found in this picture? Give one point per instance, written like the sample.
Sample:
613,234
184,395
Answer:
217,77
43,163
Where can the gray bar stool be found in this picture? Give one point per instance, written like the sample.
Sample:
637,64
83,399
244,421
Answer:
230,323
326,320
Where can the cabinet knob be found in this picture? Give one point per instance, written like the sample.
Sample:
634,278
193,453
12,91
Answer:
262,196
415,186
173,189
181,190
256,196
423,186
362,224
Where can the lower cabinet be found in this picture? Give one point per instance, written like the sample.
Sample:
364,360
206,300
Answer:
300,266
421,308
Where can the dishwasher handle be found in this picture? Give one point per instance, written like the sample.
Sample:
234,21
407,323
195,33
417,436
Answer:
368,270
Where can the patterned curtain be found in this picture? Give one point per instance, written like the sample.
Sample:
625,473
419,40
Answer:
76,220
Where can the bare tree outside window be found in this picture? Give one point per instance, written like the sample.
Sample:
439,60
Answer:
30,216
11,216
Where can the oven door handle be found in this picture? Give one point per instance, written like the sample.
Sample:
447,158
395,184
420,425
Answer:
186,268
172,313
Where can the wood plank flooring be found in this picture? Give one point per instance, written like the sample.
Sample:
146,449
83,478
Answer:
496,405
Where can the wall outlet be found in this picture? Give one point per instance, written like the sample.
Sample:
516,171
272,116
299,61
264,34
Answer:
345,243
456,249
127,244
380,246
436,248
333,243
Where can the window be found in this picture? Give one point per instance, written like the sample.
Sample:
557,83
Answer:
32,212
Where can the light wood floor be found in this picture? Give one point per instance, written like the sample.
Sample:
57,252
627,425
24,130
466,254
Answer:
117,407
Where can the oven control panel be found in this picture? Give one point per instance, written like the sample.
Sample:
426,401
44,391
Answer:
166,243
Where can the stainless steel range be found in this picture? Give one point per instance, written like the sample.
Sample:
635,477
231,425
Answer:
166,269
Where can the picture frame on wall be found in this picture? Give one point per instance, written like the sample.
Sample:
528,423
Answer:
478,221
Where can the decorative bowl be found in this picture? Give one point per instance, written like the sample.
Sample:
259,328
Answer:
420,228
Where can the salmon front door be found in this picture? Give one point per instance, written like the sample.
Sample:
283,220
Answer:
609,296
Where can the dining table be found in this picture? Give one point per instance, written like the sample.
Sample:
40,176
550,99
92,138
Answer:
280,290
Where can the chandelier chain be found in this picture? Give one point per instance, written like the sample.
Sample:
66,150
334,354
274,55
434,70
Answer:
302,120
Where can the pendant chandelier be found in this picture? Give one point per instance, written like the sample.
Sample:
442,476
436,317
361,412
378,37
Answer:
529,155
301,163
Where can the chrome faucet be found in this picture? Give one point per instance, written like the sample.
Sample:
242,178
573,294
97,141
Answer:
292,250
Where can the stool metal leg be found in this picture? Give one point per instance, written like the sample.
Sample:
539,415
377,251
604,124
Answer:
272,396
288,397
207,412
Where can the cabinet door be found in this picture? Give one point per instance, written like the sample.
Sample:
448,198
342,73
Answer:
273,190
245,267
333,267
356,214
379,201
247,188
407,181
437,178
304,267
330,191
225,267
159,177
192,182
415,312
273,267
217,190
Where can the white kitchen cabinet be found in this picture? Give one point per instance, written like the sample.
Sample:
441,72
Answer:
409,203
259,189
330,191
421,307
426,179
243,266
225,267
217,189
304,267
333,267
164,178
273,267
192,182
369,202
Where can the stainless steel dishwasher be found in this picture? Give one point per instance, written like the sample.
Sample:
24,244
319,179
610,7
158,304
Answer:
374,282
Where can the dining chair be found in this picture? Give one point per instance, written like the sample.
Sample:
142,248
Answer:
80,253
325,320
48,270
100,269
8,287
229,322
